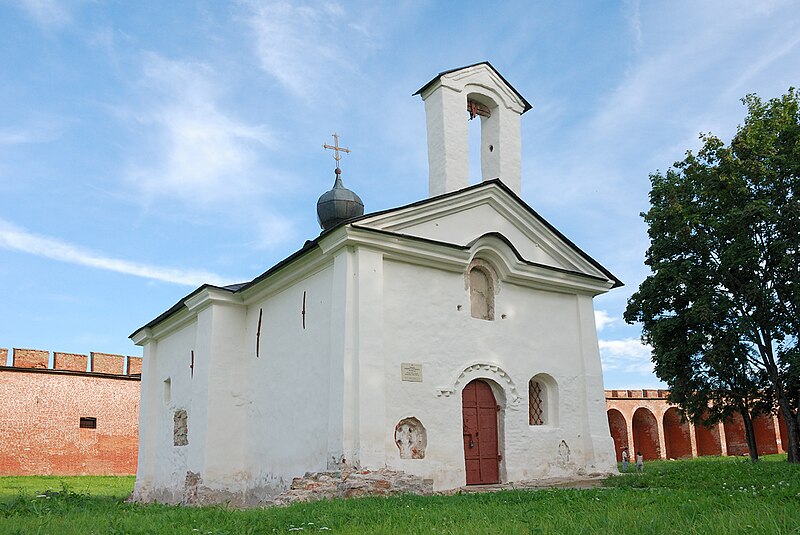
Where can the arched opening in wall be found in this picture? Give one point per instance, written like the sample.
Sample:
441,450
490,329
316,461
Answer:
735,439
482,132
645,434
784,432
764,429
481,290
677,437
708,442
542,400
619,432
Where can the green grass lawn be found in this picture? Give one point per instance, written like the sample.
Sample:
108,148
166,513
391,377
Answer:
710,495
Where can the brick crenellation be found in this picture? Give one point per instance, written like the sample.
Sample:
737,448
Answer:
106,363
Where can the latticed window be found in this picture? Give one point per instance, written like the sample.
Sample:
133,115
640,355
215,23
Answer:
535,403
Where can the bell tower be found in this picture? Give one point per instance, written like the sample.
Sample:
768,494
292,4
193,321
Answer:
474,92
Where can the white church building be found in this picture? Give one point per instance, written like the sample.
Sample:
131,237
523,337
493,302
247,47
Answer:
451,339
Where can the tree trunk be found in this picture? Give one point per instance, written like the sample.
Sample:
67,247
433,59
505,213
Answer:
792,433
750,435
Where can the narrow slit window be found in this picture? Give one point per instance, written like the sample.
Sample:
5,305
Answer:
88,422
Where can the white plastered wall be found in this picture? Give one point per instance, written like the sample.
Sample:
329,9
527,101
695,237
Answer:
162,466
424,325
288,398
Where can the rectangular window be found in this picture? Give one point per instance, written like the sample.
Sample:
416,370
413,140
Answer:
88,422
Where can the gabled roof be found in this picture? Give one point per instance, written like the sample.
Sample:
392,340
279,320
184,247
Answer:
496,182
443,73
313,244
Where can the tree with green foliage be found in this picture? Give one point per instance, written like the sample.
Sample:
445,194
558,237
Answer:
721,307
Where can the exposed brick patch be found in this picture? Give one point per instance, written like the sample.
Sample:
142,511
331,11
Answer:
107,363
69,361
134,365
349,483
180,429
30,358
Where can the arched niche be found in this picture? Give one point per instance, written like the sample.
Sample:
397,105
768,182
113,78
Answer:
482,283
708,441
645,434
677,437
619,431
542,400
411,438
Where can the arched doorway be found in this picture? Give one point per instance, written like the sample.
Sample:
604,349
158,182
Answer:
677,437
708,442
764,429
645,434
619,431
479,416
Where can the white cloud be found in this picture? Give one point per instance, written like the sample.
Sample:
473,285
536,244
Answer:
635,23
304,46
628,355
200,154
602,319
17,239
47,13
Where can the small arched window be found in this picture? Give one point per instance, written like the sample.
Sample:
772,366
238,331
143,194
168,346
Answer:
537,401
542,400
481,293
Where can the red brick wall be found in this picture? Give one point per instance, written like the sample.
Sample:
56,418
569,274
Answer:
70,361
708,442
735,438
766,439
3,356
39,424
107,363
134,365
677,437
645,434
30,358
619,432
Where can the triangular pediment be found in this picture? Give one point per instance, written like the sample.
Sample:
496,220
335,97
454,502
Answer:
490,208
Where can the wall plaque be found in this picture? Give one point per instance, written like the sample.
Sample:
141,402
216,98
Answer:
411,372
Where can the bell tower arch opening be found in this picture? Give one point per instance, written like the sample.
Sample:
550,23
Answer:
484,142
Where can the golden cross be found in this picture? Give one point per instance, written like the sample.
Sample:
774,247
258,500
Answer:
336,149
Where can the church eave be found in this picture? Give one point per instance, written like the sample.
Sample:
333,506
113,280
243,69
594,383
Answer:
174,309
456,256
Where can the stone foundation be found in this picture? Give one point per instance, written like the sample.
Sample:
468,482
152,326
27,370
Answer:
350,483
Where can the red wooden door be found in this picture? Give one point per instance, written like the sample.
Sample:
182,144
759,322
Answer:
479,410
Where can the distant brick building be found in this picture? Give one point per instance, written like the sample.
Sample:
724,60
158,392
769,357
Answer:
643,420
68,415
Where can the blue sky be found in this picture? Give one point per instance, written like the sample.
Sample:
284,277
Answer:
148,147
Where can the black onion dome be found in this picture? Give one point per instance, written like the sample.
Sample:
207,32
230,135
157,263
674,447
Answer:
337,205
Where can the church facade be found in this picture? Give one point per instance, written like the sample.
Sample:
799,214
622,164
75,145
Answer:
451,339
